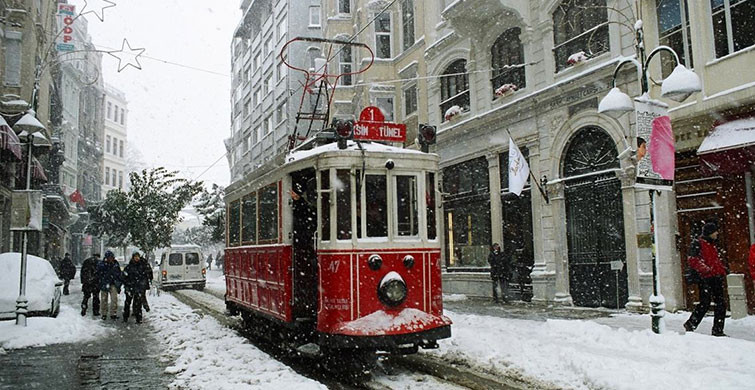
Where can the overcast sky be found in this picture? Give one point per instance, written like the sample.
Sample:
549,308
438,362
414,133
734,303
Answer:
178,116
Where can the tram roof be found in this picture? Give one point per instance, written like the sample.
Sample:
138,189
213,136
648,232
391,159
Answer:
350,146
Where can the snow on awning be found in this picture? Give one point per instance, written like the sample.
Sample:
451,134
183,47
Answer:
9,140
730,147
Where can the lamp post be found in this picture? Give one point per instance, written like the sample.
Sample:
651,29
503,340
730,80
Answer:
678,86
30,131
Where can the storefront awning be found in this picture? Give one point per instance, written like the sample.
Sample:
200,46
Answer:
729,148
9,140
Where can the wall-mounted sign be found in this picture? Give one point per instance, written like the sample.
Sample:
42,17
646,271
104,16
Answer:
66,18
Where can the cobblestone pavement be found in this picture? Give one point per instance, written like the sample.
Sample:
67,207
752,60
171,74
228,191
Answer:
127,359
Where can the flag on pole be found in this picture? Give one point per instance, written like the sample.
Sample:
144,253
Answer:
518,169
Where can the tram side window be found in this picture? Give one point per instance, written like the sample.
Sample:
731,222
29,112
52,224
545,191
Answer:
234,216
325,204
249,219
430,198
376,204
406,202
358,197
268,214
343,204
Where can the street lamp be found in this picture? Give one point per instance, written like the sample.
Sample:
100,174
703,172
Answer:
678,86
30,132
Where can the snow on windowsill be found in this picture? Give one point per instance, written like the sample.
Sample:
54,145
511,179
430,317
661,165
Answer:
729,56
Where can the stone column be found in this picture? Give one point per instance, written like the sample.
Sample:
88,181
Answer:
496,207
561,246
634,302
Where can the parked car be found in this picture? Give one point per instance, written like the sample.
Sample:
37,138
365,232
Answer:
43,288
182,266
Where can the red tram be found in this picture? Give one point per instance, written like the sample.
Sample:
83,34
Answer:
339,247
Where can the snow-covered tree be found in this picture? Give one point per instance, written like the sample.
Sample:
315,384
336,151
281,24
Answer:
111,219
212,208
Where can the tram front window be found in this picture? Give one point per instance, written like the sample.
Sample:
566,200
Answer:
376,205
406,202
343,204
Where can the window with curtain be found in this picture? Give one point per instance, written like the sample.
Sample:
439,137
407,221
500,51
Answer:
454,87
579,25
507,50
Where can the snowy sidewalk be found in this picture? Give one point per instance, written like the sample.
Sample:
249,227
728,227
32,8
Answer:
75,352
597,349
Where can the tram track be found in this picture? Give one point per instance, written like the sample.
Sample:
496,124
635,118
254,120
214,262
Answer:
430,368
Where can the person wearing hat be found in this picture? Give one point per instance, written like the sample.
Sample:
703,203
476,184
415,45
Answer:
703,258
111,280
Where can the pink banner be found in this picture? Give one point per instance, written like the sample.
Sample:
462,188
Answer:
662,151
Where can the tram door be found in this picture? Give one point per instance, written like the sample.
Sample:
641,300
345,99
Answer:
304,209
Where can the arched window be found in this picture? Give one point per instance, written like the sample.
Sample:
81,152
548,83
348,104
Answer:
508,50
579,25
591,149
454,87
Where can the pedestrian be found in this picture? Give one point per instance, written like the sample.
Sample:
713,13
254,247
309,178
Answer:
67,272
209,262
751,262
703,258
111,280
90,285
136,276
150,276
219,261
498,272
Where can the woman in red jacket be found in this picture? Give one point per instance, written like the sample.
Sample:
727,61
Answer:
751,261
703,258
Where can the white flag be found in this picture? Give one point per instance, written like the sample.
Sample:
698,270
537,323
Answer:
518,169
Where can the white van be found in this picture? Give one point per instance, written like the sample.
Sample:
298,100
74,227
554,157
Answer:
182,266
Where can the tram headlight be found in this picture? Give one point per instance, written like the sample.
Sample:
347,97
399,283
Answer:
408,261
392,290
375,262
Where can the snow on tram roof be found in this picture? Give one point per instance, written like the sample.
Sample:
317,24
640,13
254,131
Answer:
351,146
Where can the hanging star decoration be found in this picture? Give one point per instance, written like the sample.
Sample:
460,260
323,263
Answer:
97,7
127,56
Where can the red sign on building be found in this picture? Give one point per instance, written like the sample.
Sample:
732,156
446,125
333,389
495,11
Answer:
372,127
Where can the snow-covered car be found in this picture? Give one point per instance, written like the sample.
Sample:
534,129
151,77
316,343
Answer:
43,288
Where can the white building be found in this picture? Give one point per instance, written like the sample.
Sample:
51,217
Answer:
265,93
114,170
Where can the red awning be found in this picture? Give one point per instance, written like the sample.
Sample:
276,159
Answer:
729,148
38,170
9,140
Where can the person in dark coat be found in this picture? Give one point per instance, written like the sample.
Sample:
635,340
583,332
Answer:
111,280
67,272
499,272
90,285
209,262
703,258
137,283
150,275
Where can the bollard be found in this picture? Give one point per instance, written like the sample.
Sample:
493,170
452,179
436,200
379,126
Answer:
737,298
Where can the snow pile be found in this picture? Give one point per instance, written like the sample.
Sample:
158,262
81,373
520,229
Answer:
454,297
580,354
505,89
40,283
452,112
68,327
381,322
577,58
738,133
210,356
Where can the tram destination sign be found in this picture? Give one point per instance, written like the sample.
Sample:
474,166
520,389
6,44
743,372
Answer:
373,127
380,131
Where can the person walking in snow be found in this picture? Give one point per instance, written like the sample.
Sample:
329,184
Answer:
150,277
136,275
703,258
209,262
751,262
111,280
90,285
498,272
67,272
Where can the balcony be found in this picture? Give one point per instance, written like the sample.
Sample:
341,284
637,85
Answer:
470,18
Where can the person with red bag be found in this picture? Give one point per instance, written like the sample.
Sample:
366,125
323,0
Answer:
703,258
